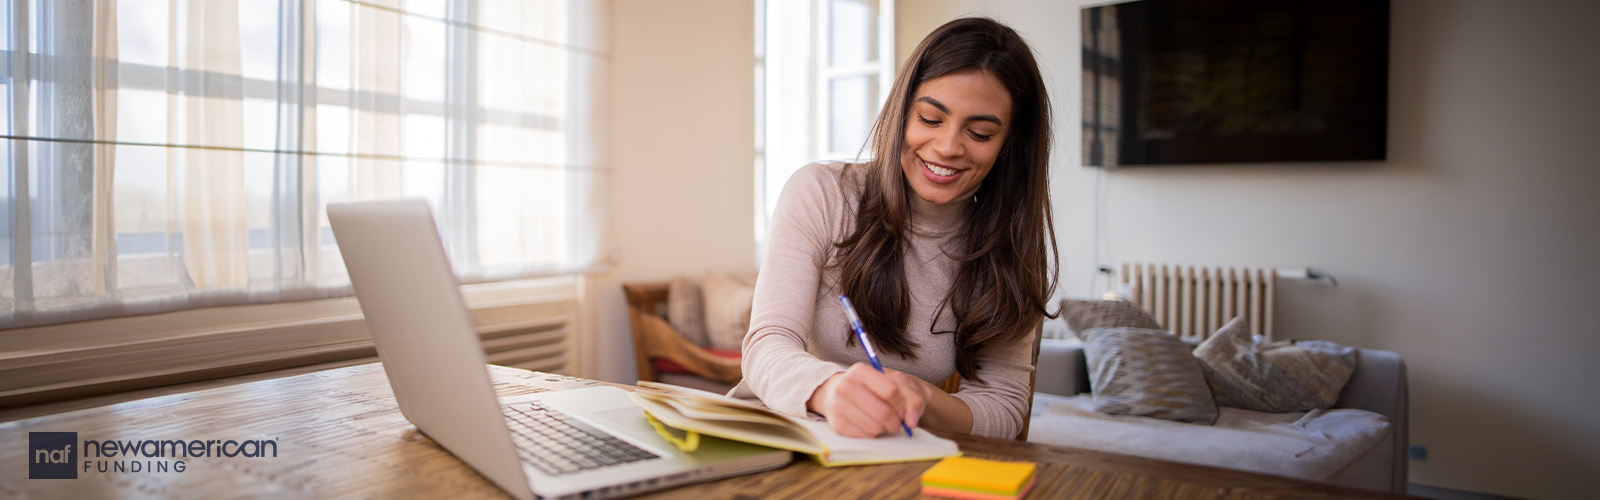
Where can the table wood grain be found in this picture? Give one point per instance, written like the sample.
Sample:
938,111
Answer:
340,435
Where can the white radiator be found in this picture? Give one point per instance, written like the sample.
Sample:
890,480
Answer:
1193,302
538,338
543,350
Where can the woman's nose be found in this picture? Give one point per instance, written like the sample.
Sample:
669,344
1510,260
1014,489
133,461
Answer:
948,143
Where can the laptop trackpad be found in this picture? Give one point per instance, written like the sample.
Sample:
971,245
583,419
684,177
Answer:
630,423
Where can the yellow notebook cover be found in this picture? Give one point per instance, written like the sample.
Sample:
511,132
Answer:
979,474
689,410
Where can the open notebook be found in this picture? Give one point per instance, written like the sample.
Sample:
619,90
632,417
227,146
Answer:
695,411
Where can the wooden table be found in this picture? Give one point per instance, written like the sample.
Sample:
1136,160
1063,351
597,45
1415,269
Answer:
338,433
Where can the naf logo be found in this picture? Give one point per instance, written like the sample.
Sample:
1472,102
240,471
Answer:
52,455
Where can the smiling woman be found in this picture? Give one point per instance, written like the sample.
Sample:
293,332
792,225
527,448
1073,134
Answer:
960,124
942,240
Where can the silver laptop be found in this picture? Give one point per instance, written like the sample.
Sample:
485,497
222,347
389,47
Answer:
582,443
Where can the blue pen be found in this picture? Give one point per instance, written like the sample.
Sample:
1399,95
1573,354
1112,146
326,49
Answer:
861,334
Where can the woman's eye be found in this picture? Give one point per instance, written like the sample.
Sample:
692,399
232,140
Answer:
981,137
926,121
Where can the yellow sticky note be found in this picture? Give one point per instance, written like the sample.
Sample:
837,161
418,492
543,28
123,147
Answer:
969,473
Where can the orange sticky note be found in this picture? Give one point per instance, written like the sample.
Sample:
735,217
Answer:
966,477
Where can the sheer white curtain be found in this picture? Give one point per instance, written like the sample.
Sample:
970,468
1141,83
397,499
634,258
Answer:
173,154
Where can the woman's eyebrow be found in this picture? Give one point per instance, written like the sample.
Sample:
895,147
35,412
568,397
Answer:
935,103
946,110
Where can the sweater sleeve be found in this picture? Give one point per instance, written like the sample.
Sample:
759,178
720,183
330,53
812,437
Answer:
777,366
999,403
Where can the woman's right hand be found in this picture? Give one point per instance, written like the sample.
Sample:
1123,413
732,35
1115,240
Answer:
862,402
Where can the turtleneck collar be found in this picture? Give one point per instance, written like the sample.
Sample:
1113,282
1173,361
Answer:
930,219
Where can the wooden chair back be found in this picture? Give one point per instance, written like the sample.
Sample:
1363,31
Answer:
654,337
953,384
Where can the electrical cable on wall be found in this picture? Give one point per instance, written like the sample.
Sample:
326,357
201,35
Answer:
1095,238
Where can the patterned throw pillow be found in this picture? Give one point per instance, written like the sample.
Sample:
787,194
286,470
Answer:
1297,377
1146,372
686,310
1085,314
728,301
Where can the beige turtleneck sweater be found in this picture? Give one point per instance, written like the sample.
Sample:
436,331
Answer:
798,329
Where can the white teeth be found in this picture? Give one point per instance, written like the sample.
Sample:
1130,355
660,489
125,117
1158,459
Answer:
941,171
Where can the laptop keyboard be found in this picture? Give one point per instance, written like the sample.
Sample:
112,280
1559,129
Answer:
558,444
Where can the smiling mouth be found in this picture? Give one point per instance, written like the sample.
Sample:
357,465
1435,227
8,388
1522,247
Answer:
937,170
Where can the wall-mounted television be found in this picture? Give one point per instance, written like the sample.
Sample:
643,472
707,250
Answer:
1226,81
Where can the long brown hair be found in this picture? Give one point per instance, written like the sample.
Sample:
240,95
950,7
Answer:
1006,277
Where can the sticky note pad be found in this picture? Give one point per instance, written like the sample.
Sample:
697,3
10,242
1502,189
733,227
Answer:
966,477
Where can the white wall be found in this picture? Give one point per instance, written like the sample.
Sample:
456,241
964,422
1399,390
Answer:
684,152
1470,251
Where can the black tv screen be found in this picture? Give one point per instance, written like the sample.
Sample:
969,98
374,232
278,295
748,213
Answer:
1224,81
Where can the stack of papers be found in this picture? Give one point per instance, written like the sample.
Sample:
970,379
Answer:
690,410
976,478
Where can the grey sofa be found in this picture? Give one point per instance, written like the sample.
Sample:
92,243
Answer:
1378,385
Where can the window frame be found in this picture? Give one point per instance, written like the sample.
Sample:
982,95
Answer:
779,152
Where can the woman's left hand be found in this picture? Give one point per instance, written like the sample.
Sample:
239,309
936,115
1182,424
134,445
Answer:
939,410
912,388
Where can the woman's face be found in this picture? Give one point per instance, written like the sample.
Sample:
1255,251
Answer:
953,134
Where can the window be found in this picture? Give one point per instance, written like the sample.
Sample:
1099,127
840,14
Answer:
170,155
824,68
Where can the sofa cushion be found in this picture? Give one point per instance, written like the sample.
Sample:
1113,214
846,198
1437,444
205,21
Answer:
1147,372
1313,445
1085,314
1275,377
686,310
728,300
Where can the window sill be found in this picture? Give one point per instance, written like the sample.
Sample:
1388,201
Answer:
77,360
